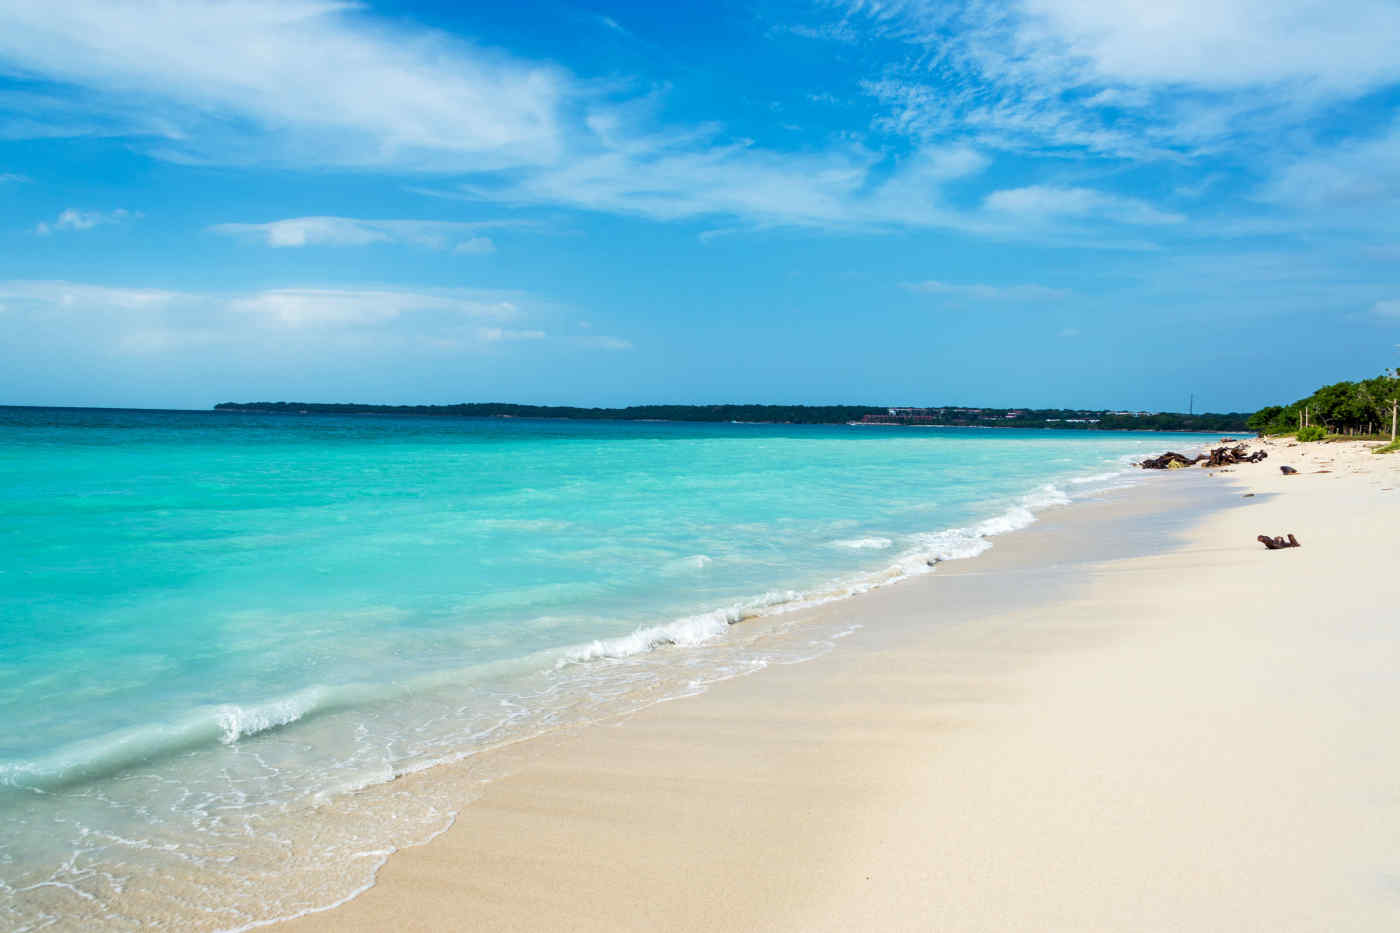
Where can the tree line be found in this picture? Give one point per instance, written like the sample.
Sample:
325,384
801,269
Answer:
1362,407
792,414
1058,418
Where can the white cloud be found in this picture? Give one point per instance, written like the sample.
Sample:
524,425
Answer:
1335,44
13,178
74,219
1068,332
245,81
310,307
350,231
601,343
319,80
1170,80
496,334
157,321
81,296
1363,173
1388,308
1044,201
476,246
832,32
986,292
607,22
683,176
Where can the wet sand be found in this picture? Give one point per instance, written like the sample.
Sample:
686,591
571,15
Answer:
1130,716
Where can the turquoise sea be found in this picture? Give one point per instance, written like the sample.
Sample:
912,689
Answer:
222,636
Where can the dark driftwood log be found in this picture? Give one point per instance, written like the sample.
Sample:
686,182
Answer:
1165,461
1219,457
1278,543
1287,470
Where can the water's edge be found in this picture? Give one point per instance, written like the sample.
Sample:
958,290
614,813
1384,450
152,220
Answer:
1134,520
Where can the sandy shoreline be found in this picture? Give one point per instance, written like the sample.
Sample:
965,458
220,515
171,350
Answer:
1044,738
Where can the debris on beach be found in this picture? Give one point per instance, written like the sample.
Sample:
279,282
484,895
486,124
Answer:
1171,460
1219,457
1278,542
1287,470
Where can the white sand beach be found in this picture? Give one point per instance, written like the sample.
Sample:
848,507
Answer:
1199,739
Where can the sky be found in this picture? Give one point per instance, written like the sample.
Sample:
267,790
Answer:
1078,203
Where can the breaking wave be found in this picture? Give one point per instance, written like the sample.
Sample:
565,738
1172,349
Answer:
859,544
925,552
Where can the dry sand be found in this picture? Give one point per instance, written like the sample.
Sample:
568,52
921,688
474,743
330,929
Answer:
1200,739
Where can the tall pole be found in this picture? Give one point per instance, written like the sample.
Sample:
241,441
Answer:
1394,404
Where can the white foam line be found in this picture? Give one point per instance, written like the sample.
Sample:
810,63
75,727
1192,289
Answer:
930,550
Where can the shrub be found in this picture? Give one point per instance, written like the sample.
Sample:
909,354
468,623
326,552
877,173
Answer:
1313,432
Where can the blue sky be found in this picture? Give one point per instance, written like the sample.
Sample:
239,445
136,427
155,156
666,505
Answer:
1033,202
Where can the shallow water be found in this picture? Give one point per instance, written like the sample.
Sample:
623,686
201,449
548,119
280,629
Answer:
215,626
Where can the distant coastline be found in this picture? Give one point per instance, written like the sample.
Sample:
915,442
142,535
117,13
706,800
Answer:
944,416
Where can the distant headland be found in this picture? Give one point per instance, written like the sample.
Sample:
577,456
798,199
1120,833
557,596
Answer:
947,416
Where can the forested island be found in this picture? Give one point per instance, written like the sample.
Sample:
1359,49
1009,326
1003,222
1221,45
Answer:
947,416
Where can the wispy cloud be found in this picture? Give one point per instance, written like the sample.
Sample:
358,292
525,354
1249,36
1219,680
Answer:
607,22
74,219
476,246
410,99
1172,82
13,178
496,334
1041,202
590,342
247,79
1362,172
987,292
81,296
1387,308
350,231
305,307
158,320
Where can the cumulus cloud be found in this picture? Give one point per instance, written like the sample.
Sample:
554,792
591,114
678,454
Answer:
350,231
74,219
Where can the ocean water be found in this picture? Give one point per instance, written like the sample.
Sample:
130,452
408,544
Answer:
223,636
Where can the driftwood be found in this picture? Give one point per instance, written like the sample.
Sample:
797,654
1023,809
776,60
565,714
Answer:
1171,460
1287,470
1278,542
1220,456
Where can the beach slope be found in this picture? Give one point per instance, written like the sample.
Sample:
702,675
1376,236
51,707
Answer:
1200,737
